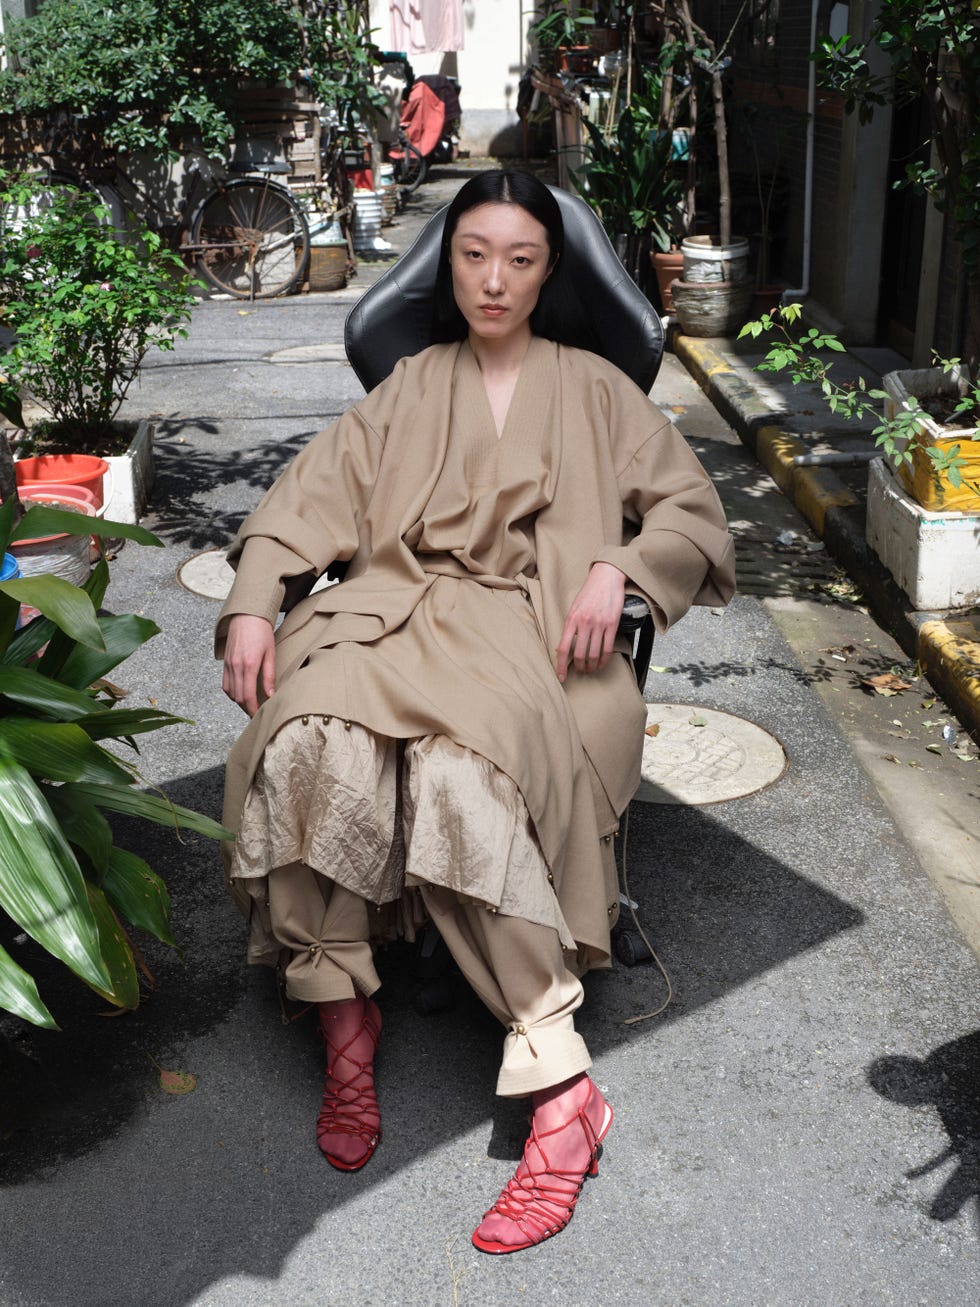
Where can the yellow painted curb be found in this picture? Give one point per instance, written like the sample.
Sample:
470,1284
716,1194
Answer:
949,652
703,356
776,450
812,489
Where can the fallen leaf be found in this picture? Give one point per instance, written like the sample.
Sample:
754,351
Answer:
886,683
246,313
890,757
177,1082
913,763
678,408
698,721
934,748
928,703
966,757
659,669
653,729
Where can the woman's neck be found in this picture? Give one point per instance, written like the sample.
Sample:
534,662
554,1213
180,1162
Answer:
499,357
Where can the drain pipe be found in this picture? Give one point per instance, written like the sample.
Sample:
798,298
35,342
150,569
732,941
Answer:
801,292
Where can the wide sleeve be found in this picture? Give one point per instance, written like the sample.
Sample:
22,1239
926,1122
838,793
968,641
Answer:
681,553
311,516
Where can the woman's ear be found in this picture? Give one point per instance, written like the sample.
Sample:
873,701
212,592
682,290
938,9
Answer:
552,266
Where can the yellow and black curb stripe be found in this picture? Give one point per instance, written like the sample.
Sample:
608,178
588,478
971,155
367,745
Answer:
948,649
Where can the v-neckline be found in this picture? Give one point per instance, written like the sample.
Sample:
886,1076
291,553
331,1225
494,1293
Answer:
500,432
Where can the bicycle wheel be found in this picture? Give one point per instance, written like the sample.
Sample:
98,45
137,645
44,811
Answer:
250,239
410,166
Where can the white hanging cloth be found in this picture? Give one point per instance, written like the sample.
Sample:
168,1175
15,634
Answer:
424,26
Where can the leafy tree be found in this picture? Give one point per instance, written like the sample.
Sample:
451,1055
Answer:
146,70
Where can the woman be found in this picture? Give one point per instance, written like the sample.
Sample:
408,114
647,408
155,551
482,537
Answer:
452,732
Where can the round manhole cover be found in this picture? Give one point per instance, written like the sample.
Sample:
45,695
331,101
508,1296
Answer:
698,755
207,574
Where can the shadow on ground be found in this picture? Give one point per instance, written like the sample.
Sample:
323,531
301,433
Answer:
206,1170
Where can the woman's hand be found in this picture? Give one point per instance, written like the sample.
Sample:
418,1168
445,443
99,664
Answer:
250,652
592,621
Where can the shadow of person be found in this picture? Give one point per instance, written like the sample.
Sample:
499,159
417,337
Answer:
949,1078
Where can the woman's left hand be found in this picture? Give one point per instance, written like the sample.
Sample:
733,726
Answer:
592,621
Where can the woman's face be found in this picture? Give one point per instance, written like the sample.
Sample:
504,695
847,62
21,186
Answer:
500,260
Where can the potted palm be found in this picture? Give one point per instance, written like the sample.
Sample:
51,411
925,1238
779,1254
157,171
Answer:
63,880
81,307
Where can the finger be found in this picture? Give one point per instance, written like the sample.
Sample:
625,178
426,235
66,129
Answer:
269,672
564,649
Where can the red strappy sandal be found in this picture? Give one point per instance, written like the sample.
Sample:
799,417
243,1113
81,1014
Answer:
539,1199
350,1107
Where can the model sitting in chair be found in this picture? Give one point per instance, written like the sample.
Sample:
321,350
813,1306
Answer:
453,732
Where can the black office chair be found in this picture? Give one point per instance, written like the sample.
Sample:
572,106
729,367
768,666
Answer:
394,319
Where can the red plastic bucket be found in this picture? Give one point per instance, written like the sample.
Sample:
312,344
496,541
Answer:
84,470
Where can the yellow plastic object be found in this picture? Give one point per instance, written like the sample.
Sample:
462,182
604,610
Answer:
932,489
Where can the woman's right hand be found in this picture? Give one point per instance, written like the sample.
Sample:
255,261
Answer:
250,653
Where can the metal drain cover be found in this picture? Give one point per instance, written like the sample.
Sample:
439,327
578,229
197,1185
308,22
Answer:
207,574
698,755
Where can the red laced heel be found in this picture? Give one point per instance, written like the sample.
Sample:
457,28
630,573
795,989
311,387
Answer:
350,1107
539,1199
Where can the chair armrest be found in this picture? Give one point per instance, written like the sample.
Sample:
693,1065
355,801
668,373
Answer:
635,613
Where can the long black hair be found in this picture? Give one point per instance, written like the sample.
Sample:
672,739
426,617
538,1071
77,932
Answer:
559,314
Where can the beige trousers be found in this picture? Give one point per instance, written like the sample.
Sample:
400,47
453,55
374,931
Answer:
517,968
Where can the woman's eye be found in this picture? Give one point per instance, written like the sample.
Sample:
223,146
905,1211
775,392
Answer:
522,261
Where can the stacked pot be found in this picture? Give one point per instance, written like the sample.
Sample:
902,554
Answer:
714,294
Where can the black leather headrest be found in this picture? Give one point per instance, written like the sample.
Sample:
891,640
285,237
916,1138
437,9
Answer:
394,318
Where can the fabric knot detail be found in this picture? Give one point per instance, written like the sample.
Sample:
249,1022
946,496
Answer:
517,1029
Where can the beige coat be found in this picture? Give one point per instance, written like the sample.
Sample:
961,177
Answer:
623,487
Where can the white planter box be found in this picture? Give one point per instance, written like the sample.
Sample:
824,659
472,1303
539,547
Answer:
127,484
934,557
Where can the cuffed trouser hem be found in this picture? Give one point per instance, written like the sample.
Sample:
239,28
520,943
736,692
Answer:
539,1058
326,929
518,969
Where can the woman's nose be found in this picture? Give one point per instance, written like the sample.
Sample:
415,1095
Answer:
494,276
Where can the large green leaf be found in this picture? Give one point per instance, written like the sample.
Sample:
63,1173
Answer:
138,894
41,521
82,825
9,616
18,994
137,803
25,686
59,751
122,635
116,954
60,646
124,722
67,605
41,883
7,509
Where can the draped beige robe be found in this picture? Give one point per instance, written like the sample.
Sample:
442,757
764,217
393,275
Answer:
622,487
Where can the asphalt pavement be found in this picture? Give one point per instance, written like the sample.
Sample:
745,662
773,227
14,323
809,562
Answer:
801,1126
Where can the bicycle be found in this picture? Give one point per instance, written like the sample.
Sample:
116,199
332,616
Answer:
248,236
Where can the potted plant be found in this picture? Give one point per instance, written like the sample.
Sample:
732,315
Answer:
627,179
557,35
924,495
81,307
63,880
714,294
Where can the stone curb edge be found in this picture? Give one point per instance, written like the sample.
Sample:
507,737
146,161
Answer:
947,649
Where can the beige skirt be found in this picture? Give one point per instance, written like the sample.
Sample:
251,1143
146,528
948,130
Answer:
379,819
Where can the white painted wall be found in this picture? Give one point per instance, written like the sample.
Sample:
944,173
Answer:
488,68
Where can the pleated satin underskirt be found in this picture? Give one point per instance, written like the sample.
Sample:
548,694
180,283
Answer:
380,816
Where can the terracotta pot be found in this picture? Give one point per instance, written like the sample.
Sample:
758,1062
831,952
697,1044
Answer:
667,266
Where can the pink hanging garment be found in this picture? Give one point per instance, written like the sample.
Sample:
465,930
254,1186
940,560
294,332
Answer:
424,26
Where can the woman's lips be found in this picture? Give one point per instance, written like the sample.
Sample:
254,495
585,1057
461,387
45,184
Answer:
492,310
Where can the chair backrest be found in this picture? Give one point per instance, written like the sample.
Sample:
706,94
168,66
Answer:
394,318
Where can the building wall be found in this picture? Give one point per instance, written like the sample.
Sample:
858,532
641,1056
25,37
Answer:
488,68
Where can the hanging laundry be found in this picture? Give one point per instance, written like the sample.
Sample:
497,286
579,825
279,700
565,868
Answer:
423,26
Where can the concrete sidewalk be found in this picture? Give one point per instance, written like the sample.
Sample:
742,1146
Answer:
800,1127
777,422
